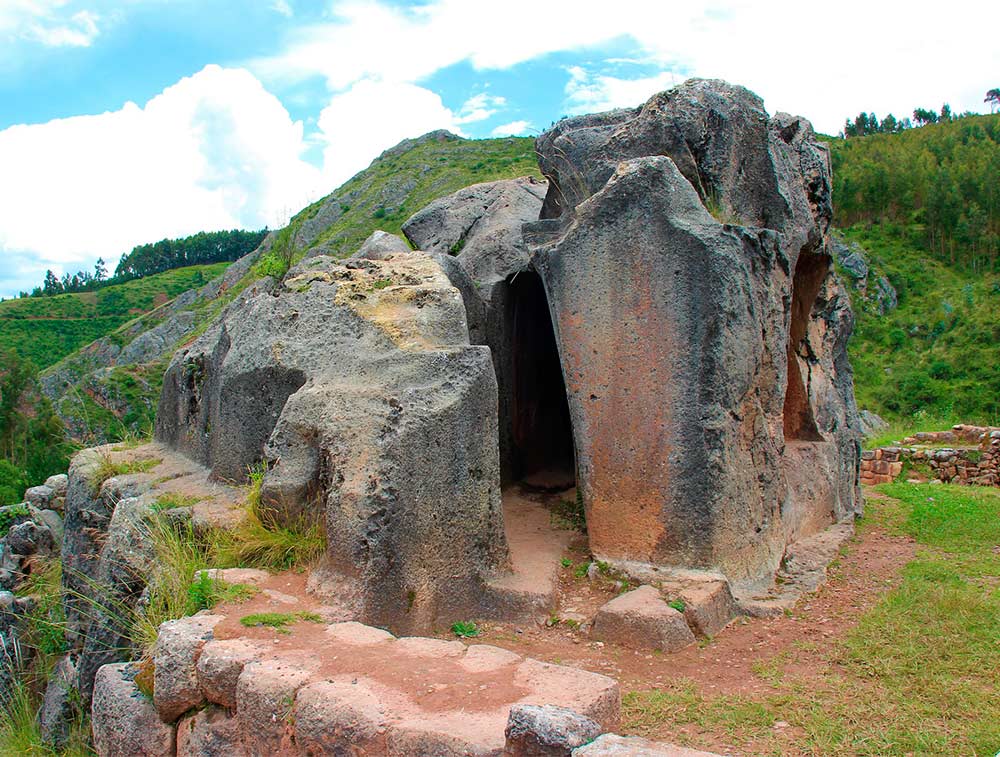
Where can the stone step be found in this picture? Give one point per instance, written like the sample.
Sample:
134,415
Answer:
536,547
339,688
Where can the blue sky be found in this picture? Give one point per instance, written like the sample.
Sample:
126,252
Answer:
127,121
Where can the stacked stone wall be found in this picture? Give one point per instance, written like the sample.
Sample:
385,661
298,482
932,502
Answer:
977,465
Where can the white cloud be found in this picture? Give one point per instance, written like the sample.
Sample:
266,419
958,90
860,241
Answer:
282,7
372,116
53,23
883,59
514,128
480,107
587,93
214,151
80,30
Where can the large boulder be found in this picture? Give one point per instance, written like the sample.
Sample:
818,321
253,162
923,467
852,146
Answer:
475,235
356,384
701,329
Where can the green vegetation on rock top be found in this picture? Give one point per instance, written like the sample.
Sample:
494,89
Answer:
404,180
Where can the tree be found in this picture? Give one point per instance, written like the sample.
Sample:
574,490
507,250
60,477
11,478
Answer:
100,270
993,98
922,116
52,284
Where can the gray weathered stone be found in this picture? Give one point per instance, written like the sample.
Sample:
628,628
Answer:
175,679
219,667
640,619
59,705
39,496
210,732
381,245
547,731
265,698
475,234
356,379
683,404
613,745
339,717
58,483
124,721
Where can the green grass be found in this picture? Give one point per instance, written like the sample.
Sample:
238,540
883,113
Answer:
108,468
261,541
173,500
19,732
47,329
916,676
931,362
399,184
278,620
10,513
465,629
205,592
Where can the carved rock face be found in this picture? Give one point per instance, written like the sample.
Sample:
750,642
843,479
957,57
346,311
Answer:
356,381
701,330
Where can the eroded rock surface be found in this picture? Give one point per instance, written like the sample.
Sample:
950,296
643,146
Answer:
701,329
357,383
475,235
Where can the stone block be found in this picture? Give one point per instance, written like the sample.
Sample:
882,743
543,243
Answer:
613,745
175,678
547,731
640,619
124,721
339,717
211,732
219,666
708,606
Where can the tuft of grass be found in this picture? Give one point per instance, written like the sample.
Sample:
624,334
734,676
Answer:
465,629
11,513
46,621
260,541
205,592
569,515
677,604
108,468
278,620
173,500
19,732
180,554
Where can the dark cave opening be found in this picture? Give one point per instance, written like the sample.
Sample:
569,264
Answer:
799,421
542,432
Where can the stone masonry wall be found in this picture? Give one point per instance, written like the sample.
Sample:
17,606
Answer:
978,465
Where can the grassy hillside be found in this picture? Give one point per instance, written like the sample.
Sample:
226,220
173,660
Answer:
938,353
396,185
46,329
925,204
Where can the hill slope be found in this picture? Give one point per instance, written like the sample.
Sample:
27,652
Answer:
925,205
46,329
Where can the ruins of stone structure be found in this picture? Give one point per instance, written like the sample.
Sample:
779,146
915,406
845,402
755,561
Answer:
659,326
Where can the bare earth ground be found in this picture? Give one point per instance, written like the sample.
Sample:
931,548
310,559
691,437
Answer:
744,660
750,660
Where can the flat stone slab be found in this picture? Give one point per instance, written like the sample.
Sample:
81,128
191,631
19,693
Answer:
346,686
804,571
613,745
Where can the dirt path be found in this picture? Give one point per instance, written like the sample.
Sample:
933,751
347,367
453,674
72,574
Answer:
728,664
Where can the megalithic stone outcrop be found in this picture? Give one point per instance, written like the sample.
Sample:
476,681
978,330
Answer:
355,381
683,248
